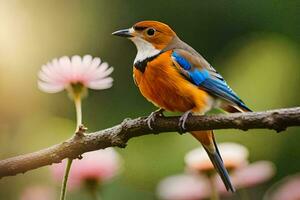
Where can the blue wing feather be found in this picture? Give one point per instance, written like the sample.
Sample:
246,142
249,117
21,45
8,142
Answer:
199,76
220,88
212,84
181,61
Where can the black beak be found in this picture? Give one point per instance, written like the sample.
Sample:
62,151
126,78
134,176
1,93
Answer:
123,33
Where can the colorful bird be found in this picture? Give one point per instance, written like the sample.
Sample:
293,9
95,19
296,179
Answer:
175,77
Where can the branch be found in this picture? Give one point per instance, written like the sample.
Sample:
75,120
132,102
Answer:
118,135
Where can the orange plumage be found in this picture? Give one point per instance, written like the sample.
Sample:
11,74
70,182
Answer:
162,85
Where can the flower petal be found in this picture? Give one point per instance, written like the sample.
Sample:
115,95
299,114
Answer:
234,156
101,84
76,67
59,73
50,88
43,77
253,174
97,165
180,187
87,59
102,74
66,67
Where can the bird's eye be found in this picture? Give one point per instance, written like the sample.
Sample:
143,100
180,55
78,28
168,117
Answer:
150,32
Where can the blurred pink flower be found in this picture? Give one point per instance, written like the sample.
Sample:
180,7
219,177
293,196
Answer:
183,187
234,156
59,74
250,175
253,174
286,189
38,192
100,166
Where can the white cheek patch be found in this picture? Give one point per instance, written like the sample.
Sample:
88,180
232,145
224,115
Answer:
144,49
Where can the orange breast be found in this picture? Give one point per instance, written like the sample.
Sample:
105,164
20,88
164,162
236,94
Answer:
165,87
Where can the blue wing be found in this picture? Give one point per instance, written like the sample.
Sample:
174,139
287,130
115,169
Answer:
207,78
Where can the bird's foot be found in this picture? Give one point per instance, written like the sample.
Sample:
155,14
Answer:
182,121
153,116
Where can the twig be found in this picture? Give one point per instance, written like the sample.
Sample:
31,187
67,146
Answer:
118,135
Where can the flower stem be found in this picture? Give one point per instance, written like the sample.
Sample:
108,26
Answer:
92,187
214,192
65,180
94,194
77,101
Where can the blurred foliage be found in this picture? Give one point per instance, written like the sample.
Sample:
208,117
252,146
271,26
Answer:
254,44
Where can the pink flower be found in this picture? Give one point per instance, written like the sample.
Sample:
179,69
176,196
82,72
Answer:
250,175
287,189
253,174
38,193
183,187
100,166
60,74
234,156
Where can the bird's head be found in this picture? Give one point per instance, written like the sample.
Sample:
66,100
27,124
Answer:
150,37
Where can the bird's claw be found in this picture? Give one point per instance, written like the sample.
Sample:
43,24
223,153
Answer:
182,121
153,116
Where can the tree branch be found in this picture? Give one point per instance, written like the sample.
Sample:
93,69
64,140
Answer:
118,135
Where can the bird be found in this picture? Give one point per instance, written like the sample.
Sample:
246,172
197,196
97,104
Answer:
175,77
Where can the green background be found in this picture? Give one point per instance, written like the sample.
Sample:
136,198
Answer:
253,44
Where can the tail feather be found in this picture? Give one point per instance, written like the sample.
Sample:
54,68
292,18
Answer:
207,139
219,166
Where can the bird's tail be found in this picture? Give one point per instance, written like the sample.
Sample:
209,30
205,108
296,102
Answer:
207,139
